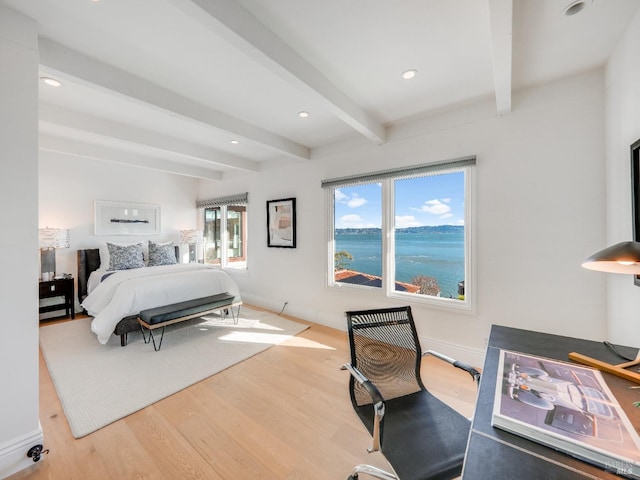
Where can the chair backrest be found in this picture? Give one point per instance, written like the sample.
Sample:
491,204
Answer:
384,348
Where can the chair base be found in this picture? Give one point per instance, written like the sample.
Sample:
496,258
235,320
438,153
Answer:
372,471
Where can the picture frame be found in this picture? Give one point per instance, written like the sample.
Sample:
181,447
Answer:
281,223
122,218
635,196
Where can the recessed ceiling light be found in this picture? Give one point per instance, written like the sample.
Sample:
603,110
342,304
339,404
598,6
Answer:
409,74
235,142
575,7
303,114
51,81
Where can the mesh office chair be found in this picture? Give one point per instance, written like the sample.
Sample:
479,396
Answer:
419,435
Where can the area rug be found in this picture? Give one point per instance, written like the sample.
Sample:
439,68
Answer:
99,384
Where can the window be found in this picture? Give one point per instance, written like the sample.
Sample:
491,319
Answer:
404,233
212,234
225,231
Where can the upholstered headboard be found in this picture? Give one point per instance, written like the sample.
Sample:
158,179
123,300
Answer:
89,261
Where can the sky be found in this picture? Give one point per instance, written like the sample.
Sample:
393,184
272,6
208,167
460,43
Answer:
422,201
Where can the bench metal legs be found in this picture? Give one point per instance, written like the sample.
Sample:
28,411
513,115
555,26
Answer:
235,316
152,338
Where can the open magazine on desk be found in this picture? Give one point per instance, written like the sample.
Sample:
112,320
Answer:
567,407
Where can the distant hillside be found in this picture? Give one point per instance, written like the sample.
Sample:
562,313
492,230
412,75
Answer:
410,230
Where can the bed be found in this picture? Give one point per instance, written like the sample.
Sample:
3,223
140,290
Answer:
114,298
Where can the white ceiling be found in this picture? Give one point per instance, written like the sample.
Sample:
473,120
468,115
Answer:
168,84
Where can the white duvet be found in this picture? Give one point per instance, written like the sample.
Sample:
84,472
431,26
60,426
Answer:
127,292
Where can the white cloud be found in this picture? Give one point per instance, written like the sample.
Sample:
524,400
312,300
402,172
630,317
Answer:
339,196
351,218
446,215
446,200
356,201
435,207
405,221
354,221
460,222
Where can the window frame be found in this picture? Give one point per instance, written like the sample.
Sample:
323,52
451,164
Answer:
224,204
388,237
217,263
224,263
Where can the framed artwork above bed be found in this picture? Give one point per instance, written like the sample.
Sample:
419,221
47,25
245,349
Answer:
121,218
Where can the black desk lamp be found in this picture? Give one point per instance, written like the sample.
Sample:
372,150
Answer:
623,257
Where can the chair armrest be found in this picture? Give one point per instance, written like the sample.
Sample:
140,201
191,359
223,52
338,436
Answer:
475,374
377,400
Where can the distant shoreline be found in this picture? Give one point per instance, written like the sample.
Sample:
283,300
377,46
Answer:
417,230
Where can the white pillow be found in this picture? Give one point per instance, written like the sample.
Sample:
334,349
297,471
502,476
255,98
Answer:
104,252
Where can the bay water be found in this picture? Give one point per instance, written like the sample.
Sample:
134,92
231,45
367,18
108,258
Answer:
436,252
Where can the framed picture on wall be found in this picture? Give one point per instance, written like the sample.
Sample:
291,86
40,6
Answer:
120,218
635,196
281,223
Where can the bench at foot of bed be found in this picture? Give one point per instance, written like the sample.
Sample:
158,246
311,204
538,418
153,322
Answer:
160,317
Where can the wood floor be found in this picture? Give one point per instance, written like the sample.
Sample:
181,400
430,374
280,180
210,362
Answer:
282,414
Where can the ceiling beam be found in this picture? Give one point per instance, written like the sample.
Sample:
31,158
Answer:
75,66
501,23
230,20
50,143
51,114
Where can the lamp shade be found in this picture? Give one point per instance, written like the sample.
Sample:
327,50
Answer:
53,237
191,236
623,257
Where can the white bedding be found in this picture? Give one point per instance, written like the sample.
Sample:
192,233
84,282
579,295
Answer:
127,292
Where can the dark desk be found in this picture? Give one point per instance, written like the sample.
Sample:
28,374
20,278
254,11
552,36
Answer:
495,454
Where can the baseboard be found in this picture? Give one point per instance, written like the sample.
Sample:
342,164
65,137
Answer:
468,355
13,454
261,302
315,316
471,356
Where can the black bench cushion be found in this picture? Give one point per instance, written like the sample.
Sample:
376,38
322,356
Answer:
154,316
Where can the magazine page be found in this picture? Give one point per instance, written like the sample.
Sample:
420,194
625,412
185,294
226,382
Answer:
568,407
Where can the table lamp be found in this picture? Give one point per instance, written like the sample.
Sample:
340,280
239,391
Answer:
49,240
623,257
193,238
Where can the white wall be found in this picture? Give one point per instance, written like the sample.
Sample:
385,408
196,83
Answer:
540,213
622,129
69,186
19,425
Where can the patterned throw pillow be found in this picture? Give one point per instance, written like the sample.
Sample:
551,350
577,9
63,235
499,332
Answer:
161,254
125,257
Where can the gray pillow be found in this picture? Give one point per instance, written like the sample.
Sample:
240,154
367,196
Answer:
161,254
125,257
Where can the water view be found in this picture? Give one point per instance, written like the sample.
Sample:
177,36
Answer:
436,252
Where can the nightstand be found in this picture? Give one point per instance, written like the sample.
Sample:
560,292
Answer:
58,288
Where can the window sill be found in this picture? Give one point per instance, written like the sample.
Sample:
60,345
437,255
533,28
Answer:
445,304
